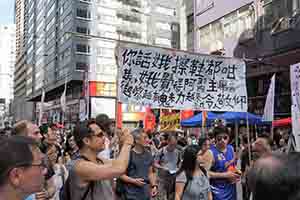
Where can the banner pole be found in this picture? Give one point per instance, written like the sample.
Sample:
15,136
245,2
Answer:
117,86
248,138
236,136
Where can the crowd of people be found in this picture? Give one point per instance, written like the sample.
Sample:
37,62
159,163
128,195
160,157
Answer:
96,161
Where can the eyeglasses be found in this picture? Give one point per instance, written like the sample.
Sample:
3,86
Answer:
41,165
99,134
222,138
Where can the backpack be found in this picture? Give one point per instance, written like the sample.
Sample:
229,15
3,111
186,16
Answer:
120,190
65,191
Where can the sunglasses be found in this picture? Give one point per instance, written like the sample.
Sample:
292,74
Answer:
99,135
222,138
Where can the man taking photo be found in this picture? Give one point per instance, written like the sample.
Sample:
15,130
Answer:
90,177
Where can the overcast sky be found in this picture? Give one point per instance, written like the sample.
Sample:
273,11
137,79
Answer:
7,11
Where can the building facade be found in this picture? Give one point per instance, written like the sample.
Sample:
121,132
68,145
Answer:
263,32
65,39
21,108
7,65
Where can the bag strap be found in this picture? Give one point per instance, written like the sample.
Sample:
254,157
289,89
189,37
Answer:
161,154
87,191
91,183
185,185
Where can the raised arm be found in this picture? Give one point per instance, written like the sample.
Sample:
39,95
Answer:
91,171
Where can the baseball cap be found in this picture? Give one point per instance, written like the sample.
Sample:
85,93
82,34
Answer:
81,131
103,121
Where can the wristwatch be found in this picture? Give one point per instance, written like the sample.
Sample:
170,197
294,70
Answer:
153,186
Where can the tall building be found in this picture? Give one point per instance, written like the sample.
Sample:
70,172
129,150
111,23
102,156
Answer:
19,20
265,33
186,20
7,65
67,38
21,108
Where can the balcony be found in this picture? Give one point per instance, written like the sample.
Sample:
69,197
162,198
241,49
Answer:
134,3
129,17
129,34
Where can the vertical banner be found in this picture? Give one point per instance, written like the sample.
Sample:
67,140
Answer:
204,118
41,107
119,115
295,93
63,98
149,121
82,110
87,93
63,102
170,79
269,105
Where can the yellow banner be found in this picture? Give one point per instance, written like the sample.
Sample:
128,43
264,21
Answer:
170,122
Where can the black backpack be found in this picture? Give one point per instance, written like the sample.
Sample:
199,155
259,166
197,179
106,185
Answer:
65,191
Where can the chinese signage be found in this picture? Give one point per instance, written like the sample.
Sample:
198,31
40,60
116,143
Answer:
295,88
100,89
170,122
163,78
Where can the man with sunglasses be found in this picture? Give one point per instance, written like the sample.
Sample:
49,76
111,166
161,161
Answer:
22,169
222,174
90,177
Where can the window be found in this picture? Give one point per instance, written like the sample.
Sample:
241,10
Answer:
30,18
83,13
166,11
51,10
40,15
67,19
190,23
163,26
105,52
163,41
83,30
82,48
107,18
31,7
30,49
106,44
40,26
51,23
230,26
273,10
296,5
31,28
106,28
50,37
82,66
61,9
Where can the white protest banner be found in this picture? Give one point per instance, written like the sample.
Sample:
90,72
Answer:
269,105
295,92
166,78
